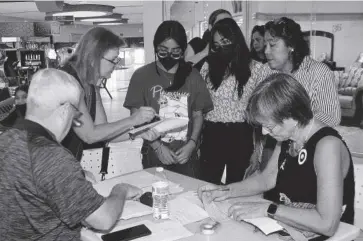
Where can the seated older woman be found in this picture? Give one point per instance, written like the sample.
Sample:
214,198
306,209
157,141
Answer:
311,189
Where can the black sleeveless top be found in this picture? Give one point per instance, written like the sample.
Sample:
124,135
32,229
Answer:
72,142
296,183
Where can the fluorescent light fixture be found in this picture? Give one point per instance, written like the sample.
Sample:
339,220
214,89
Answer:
9,39
108,18
84,10
118,22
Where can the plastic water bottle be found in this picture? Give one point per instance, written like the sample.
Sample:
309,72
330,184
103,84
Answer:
160,193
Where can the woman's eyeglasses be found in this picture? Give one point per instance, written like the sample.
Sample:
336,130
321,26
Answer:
114,62
163,54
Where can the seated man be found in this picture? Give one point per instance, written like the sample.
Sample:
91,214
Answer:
310,182
43,192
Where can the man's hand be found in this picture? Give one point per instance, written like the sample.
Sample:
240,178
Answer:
243,210
165,155
132,192
150,135
142,115
185,152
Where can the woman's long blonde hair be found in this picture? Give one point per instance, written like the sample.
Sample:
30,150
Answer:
90,49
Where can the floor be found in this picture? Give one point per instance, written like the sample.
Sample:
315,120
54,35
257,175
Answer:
118,83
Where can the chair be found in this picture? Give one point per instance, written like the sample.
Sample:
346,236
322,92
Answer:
350,90
6,106
124,157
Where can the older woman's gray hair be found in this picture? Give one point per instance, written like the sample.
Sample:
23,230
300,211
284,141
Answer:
277,98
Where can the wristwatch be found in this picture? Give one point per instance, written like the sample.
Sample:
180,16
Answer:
271,210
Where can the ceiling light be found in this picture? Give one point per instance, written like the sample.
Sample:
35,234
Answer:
118,22
108,18
84,10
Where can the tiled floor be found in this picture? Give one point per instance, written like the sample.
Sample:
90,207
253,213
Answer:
117,85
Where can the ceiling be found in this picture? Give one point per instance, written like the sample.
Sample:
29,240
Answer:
14,11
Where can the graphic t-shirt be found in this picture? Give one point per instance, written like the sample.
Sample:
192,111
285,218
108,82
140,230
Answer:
147,88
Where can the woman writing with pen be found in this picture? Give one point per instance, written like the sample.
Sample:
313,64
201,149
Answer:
303,191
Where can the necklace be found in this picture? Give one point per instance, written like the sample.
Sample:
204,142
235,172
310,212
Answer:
294,148
170,80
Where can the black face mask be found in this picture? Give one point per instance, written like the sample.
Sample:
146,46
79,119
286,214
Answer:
168,62
225,54
21,109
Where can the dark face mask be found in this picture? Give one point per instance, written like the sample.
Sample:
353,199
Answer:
168,62
225,54
21,109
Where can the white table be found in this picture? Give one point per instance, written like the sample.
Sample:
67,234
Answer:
230,230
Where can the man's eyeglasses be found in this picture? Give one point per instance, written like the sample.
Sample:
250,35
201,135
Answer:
114,62
76,122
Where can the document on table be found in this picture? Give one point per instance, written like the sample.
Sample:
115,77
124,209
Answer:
133,209
140,179
165,231
265,224
185,211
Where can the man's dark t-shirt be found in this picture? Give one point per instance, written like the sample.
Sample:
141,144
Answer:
43,192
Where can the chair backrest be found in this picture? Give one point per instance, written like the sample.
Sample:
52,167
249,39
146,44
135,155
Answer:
125,157
358,202
6,106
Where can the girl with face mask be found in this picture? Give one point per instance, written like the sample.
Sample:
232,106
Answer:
21,94
227,138
173,89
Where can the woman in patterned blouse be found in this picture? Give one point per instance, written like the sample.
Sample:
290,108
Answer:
227,138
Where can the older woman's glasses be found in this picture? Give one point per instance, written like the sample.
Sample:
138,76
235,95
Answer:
114,62
270,129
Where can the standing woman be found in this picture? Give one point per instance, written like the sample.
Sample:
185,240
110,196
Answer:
227,138
287,52
172,88
257,46
93,60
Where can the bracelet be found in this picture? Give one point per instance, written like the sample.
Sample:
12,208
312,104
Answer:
191,139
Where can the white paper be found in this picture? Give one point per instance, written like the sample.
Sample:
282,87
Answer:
164,231
141,179
185,212
215,212
133,209
265,224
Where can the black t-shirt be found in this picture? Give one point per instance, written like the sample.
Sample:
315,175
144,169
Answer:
72,142
296,183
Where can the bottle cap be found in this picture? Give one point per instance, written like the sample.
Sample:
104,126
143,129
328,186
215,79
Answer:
159,169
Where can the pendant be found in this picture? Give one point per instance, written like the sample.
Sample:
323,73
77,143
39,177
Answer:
303,154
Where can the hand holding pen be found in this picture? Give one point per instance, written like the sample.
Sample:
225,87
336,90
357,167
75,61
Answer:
212,192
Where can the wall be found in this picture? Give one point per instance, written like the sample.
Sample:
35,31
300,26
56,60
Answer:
345,21
128,30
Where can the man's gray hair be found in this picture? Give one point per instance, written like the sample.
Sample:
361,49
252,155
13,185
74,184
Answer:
50,88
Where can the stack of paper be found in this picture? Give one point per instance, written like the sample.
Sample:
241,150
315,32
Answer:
265,224
185,211
133,209
165,231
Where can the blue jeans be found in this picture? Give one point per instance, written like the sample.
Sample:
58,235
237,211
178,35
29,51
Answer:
150,159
